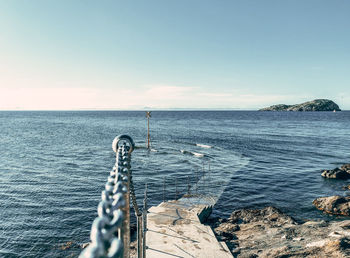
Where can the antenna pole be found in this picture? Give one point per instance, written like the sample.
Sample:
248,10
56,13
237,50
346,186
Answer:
148,115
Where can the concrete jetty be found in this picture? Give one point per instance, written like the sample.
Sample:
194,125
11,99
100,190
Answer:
175,230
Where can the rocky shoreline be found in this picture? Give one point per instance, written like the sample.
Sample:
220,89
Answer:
268,232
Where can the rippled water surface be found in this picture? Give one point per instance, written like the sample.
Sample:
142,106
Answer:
53,166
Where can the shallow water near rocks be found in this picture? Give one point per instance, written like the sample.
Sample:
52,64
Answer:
53,166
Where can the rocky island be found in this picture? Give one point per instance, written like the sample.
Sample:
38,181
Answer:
314,105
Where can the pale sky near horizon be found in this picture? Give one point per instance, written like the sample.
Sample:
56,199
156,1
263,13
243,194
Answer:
84,54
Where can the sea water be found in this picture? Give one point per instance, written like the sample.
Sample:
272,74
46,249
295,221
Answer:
53,166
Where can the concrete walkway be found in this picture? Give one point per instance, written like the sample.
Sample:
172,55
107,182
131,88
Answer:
175,230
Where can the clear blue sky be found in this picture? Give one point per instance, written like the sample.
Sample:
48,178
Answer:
172,54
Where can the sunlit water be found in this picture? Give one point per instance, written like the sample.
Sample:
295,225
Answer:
53,166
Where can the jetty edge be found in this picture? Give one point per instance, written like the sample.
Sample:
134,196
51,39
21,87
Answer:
314,105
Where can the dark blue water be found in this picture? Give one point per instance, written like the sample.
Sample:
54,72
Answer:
53,166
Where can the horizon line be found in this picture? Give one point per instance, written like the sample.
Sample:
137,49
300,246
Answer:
145,109
151,109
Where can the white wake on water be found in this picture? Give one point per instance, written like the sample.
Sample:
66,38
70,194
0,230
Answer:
197,154
204,146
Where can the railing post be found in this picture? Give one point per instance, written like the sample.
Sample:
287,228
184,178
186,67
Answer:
139,236
164,190
144,247
197,179
188,186
175,188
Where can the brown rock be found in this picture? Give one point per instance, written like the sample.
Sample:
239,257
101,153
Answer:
268,214
336,205
336,246
347,187
68,245
346,167
226,231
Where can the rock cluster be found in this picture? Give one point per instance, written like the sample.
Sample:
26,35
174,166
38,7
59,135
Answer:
314,105
270,233
336,205
338,173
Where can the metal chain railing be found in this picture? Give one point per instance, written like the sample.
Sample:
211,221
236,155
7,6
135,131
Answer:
110,231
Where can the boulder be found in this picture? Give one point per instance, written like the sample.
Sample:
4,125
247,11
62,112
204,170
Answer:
269,214
336,205
314,105
225,231
337,173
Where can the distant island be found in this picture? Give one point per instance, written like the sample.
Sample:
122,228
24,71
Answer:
314,105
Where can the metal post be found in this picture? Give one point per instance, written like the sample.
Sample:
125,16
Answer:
148,133
164,190
188,186
126,222
148,115
139,236
196,184
175,188
197,173
144,223
204,180
209,168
